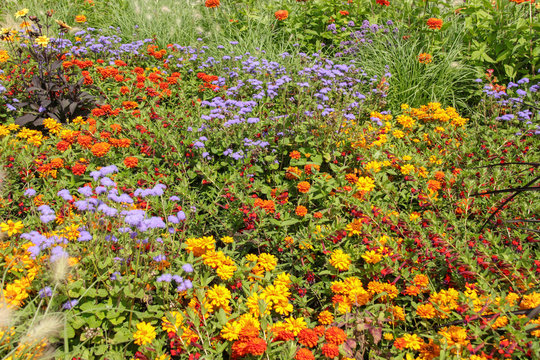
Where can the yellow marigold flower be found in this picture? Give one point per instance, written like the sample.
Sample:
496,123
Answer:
294,325
283,307
340,260
454,336
511,298
43,41
4,56
218,297
421,280
426,311
199,246
413,342
273,294
172,322
365,184
254,303
251,257
267,261
145,333
404,106
407,169
500,322
226,269
21,13
231,331
398,313
358,296
11,227
398,134
54,126
405,121
354,228
325,317
530,301
13,127
227,239
388,336
371,257
4,130
374,166
283,279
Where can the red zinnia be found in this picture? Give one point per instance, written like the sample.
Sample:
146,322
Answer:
131,162
281,14
308,337
434,23
62,146
330,351
256,346
383,2
304,354
211,3
78,169
335,335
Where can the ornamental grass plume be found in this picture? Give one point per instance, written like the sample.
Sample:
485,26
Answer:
47,328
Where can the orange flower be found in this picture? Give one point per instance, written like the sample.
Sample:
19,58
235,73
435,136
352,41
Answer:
434,23
304,354
57,163
308,337
295,155
85,141
325,317
330,351
131,162
293,173
78,169
317,215
421,280
308,168
281,14
80,18
100,149
211,3
335,335
301,210
256,346
425,58
303,187
344,12
63,146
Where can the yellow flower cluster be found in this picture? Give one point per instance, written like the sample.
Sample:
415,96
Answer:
231,330
174,322
433,112
445,301
218,297
264,262
275,296
340,260
199,246
224,265
349,292
145,333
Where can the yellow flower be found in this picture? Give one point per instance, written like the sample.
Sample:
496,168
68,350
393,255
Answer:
172,326
227,239
365,184
530,301
4,56
21,13
340,260
145,333
53,125
218,297
371,257
407,169
412,342
43,41
267,261
388,336
295,325
354,228
283,279
231,331
11,227
454,336
325,317
199,246
426,311
374,166
398,134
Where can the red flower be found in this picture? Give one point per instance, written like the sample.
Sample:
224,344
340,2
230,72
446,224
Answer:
281,14
383,2
211,3
62,146
335,335
78,169
434,23
344,12
304,354
308,337
131,162
256,346
330,351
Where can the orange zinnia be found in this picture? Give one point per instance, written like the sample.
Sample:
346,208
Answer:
100,149
131,162
281,14
211,3
80,18
303,187
301,210
434,23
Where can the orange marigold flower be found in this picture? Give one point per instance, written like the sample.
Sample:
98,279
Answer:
421,280
63,146
248,332
293,173
433,185
57,163
317,215
284,335
78,169
256,346
304,354
100,149
351,178
425,58
330,351
335,335
439,175
128,105
308,337
281,14
426,311
308,168
131,162
434,23
85,141
211,3
325,317
344,12
303,187
301,210
295,155
116,128
80,18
